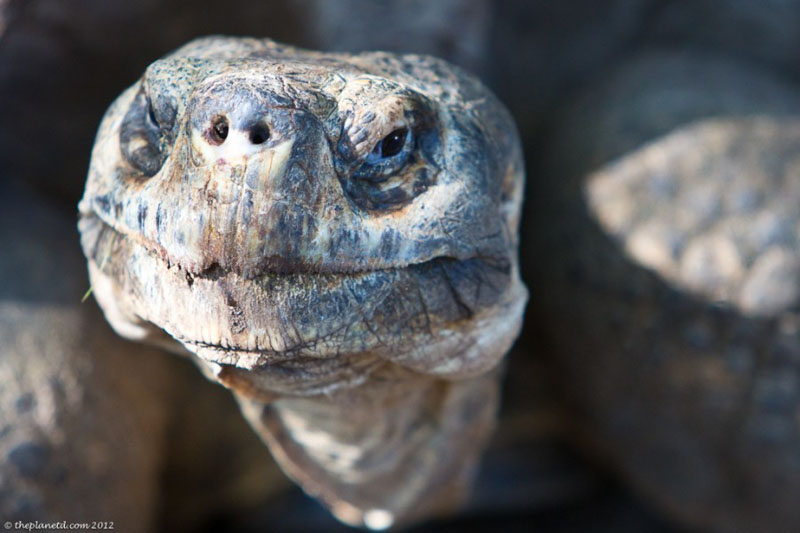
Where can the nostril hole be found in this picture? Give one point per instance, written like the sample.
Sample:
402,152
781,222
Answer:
259,134
218,131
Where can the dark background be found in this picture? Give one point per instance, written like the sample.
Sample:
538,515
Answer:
63,62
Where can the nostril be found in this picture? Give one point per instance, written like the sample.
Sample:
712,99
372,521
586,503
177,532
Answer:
218,131
259,134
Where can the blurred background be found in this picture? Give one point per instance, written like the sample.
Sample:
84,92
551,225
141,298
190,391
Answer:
588,81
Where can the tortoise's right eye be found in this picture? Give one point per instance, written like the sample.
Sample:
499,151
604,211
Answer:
151,114
141,137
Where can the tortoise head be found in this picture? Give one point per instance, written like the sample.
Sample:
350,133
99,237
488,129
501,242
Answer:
264,204
334,238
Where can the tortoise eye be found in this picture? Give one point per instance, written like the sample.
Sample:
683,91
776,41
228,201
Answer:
145,133
140,136
392,144
402,161
151,114
388,157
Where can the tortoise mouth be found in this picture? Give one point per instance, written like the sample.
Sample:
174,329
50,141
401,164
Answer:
105,234
278,316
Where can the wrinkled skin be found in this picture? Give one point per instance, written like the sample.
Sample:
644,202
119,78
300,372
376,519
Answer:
334,238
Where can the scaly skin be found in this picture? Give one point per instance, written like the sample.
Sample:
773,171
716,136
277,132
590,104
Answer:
334,238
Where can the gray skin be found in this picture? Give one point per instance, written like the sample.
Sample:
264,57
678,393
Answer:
331,236
667,280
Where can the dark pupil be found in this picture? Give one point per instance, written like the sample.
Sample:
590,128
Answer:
151,114
393,143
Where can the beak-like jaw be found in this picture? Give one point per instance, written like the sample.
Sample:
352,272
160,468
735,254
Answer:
447,317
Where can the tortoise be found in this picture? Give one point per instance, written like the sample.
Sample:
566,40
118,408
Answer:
307,226
655,366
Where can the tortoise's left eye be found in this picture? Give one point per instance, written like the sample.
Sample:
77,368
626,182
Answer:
388,157
403,162
392,144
